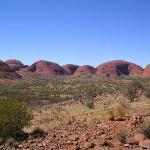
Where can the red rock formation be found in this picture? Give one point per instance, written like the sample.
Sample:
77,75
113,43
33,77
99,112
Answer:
117,68
46,68
146,72
15,65
6,72
86,69
70,68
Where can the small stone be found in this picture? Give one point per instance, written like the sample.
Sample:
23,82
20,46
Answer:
40,145
132,141
1,146
75,143
20,146
101,133
145,144
139,137
44,144
76,138
126,145
88,145
53,148
54,136
69,142
120,119
75,147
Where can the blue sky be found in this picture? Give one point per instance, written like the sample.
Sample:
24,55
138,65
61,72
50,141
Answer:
75,31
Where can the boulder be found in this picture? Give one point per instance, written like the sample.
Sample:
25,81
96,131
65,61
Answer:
118,68
42,67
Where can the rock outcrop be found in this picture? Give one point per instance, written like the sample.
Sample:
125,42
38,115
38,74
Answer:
70,68
146,72
6,72
117,68
15,65
46,68
86,69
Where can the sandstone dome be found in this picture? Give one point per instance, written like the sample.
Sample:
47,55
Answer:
42,67
70,68
117,68
86,69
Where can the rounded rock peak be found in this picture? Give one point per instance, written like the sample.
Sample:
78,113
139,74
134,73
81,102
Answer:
86,69
70,68
117,68
48,68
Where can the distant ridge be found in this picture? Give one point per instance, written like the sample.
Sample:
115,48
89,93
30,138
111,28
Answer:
11,69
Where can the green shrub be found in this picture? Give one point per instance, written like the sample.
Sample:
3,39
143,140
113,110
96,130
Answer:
120,112
145,129
90,105
13,117
123,108
122,136
106,143
131,89
91,94
38,132
111,115
21,136
120,109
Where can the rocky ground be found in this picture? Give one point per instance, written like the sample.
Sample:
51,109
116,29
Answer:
77,133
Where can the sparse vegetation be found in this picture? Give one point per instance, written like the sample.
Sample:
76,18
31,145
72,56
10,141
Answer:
37,132
90,105
111,115
145,129
106,143
131,88
52,90
44,91
122,136
122,108
119,108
